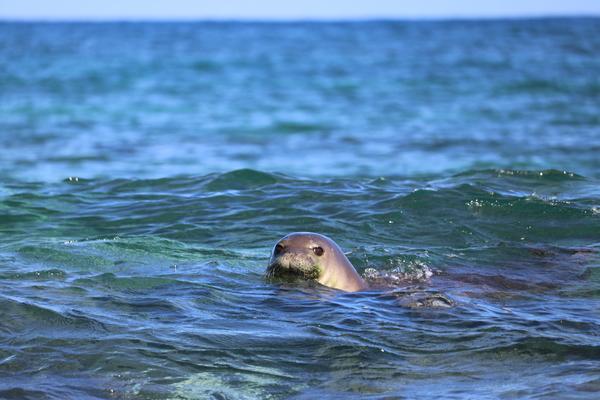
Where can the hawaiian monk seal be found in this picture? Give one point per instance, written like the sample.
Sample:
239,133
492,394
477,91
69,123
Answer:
315,257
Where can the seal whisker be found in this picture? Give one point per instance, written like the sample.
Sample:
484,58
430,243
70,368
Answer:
272,270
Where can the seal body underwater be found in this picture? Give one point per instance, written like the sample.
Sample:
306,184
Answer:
313,256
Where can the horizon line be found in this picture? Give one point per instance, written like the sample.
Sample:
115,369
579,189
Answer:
458,17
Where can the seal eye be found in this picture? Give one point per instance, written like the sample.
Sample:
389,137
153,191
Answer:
318,250
278,249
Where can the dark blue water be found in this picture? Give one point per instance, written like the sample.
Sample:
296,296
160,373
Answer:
147,169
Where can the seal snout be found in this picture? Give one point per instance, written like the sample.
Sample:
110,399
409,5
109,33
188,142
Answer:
292,260
289,260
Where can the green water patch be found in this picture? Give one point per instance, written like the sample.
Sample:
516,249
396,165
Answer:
8,222
548,175
550,184
242,179
36,319
40,275
141,248
549,348
122,283
145,253
592,273
63,257
533,87
205,66
297,127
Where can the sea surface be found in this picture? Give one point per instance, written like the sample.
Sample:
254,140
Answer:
147,170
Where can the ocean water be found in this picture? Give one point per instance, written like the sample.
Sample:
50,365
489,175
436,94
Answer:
147,169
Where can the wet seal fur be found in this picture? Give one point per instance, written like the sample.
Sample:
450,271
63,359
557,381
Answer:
312,256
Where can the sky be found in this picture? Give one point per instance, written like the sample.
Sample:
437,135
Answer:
281,9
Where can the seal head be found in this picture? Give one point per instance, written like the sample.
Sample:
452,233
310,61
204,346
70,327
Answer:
316,257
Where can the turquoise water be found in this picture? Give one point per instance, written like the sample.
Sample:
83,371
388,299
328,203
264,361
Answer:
147,169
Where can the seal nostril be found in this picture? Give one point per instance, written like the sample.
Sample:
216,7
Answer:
278,249
318,250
